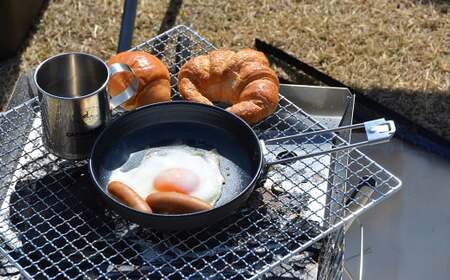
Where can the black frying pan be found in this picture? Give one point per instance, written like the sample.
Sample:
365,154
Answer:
242,162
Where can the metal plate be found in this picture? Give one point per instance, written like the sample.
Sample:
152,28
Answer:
52,225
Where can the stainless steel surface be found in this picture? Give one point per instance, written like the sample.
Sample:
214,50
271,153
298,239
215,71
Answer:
52,225
332,107
407,238
377,131
331,260
325,104
74,101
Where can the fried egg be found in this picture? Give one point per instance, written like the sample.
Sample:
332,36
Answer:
177,168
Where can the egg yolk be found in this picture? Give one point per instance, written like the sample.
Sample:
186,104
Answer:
179,180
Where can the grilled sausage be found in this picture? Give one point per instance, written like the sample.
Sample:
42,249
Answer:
175,203
128,196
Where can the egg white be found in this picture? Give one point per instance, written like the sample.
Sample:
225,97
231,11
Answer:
205,164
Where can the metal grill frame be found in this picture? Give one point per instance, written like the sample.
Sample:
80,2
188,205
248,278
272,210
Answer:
258,238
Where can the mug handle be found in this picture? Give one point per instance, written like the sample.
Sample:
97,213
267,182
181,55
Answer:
127,93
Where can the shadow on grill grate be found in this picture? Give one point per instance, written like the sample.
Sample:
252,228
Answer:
65,231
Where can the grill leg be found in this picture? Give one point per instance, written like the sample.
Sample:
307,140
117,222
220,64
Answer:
127,25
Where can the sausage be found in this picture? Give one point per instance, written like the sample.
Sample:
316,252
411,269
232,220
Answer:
128,196
175,203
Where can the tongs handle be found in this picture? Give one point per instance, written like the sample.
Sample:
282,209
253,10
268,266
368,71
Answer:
377,131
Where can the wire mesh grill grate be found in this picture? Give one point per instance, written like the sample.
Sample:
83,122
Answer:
53,226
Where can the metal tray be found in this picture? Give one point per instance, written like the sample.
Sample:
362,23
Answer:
53,225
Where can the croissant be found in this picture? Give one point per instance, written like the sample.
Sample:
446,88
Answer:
152,74
242,79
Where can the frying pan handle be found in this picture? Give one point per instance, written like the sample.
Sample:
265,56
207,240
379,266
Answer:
377,131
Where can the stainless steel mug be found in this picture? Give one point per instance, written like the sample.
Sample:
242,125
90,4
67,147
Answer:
75,104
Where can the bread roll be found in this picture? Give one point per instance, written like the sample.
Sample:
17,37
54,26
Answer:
152,74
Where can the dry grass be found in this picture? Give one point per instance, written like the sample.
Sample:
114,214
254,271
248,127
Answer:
380,46
366,43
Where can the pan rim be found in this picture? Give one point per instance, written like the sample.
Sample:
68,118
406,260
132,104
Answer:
111,124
